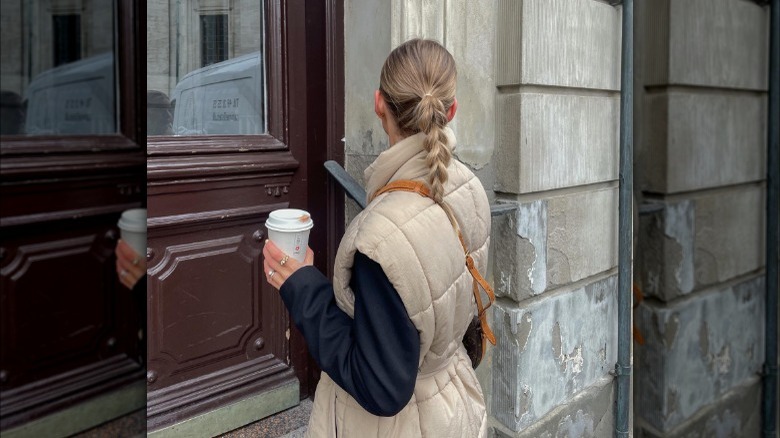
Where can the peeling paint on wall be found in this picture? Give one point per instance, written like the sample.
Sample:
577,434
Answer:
678,226
690,359
567,339
532,226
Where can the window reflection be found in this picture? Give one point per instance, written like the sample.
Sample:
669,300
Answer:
205,69
58,68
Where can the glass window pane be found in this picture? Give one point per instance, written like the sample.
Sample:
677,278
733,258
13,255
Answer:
205,68
58,70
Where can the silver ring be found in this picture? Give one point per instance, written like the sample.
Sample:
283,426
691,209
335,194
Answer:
284,260
136,261
123,274
271,273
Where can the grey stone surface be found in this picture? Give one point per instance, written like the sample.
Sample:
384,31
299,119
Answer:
563,43
718,43
590,414
696,350
469,35
737,414
366,45
582,235
710,238
519,248
549,141
553,242
465,28
729,234
235,415
286,424
130,425
666,242
550,349
355,165
86,415
694,140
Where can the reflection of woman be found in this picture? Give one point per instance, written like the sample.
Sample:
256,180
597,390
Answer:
131,270
130,266
387,333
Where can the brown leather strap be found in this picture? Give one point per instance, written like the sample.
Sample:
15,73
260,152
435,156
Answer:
421,189
406,186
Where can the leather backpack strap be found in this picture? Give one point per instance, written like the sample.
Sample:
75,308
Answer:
421,189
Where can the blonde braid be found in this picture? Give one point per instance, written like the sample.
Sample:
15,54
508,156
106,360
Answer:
418,82
433,118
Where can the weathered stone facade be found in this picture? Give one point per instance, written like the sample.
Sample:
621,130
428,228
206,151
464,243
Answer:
700,161
538,121
539,90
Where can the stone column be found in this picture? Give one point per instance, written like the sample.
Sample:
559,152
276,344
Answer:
555,261
700,164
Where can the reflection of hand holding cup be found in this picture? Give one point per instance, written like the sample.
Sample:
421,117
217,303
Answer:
132,227
289,228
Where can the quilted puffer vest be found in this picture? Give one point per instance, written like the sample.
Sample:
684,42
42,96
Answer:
412,239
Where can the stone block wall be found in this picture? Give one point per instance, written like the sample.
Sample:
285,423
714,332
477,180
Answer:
700,166
538,122
555,260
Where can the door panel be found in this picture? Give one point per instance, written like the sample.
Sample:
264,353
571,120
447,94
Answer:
218,332
209,304
70,330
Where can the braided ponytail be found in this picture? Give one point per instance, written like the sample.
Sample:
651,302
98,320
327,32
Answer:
418,81
432,118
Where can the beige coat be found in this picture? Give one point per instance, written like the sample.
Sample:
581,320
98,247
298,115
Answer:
412,239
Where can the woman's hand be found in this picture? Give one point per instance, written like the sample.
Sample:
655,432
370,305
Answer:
278,266
130,266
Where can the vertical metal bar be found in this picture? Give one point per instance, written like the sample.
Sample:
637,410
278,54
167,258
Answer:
625,216
769,403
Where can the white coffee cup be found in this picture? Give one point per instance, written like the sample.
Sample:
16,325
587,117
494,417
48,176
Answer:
288,228
132,227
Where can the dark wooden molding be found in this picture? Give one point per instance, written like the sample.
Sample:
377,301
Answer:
324,68
335,121
212,144
276,58
195,396
33,400
74,215
127,69
215,216
47,167
13,145
202,166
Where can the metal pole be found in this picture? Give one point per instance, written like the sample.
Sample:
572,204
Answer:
625,216
769,404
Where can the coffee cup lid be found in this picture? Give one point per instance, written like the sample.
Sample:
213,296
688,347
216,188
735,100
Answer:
289,220
133,220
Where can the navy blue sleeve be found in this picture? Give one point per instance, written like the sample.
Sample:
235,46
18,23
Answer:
373,357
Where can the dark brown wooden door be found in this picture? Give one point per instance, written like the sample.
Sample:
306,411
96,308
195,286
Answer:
217,332
69,329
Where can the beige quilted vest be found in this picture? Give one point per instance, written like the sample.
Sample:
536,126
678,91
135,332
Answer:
412,239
